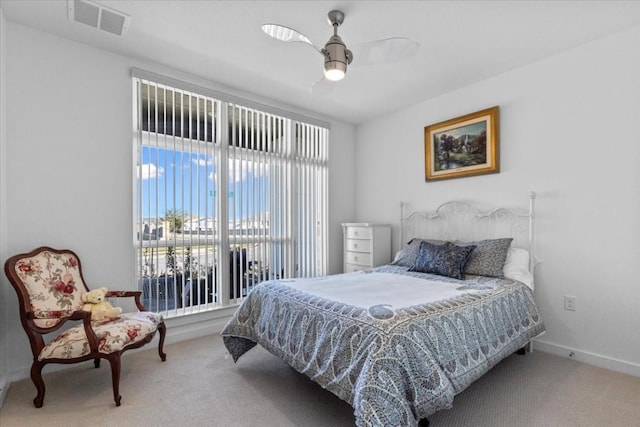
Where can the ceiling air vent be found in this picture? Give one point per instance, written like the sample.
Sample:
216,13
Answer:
98,16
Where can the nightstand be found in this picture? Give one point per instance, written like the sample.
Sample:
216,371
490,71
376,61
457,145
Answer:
366,245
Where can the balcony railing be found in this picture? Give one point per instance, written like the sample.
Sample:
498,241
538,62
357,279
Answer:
189,276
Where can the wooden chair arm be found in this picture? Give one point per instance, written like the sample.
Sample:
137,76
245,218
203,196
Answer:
123,294
128,294
64,316
80,315
85,316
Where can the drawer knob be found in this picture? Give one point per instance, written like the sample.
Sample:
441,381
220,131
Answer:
355,258
355,245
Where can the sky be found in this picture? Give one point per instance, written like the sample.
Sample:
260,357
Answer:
170,178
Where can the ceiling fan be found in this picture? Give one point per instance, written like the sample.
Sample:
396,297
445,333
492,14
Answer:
336,55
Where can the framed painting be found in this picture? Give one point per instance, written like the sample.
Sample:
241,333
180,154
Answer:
464,146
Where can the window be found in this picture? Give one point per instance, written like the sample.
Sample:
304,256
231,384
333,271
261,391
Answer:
226,196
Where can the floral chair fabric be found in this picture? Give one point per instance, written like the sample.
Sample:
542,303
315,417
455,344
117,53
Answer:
54,285
49,284
113,335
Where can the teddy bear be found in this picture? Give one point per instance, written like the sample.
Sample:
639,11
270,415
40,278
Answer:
100,309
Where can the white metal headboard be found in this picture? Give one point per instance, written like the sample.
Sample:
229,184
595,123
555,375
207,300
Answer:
463,220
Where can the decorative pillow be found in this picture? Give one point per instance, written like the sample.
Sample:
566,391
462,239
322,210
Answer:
516,267
445,259
406,257
488,258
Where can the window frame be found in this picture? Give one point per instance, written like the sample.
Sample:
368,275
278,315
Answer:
225,150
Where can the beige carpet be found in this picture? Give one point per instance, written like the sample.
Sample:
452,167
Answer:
199,385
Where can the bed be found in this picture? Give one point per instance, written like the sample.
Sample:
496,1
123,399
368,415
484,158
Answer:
399,341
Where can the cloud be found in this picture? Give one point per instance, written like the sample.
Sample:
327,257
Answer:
240,169
202,162
149,170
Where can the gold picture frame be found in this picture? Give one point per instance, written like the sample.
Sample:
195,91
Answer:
465,146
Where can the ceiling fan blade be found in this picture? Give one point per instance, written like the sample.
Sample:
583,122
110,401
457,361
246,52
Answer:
390,50
286,34
322,86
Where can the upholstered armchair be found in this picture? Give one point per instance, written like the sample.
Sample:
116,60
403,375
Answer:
49,284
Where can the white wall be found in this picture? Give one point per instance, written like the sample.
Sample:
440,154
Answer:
342,183
569,130
69,157
4,366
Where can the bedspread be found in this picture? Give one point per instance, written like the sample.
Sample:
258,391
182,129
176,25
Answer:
394,363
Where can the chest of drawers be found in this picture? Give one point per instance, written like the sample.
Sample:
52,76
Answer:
366,245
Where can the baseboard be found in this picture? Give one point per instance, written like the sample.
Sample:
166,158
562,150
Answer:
587,357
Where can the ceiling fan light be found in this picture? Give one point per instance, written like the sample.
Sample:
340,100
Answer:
334,74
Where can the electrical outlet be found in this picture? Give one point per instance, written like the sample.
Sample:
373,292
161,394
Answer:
569,303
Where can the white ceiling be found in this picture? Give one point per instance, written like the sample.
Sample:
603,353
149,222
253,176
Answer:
461,42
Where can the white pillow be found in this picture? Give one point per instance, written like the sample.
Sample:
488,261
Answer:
516,266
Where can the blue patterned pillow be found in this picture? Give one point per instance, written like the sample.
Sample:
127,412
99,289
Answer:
407,256
488,258
445,260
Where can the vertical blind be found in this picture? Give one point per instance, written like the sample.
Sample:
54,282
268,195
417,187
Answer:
226,196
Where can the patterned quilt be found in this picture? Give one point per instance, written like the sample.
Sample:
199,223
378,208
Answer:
394,363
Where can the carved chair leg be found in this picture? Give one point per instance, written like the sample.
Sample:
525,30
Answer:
36,377
163,332
96,362
114,360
